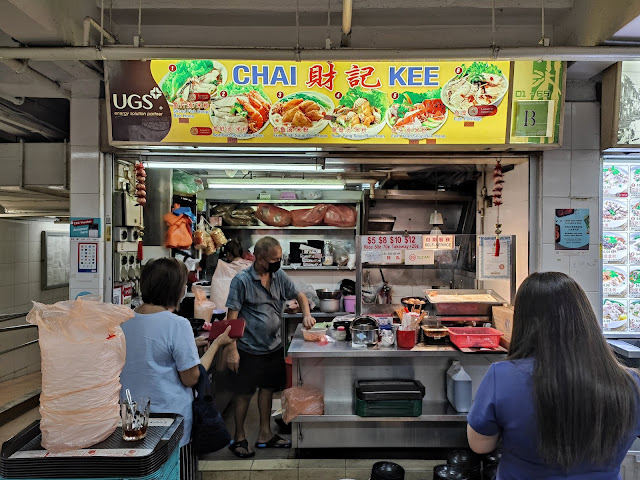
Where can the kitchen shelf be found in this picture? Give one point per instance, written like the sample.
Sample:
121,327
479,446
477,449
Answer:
284,202
331,267
431,412
315,314
268,227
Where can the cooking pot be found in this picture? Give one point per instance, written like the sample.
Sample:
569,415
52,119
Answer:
326,294
365,331
329,305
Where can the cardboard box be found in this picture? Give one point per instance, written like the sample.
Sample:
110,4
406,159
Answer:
503,321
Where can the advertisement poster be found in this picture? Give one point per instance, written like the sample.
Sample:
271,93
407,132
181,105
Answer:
491,267
268,102
614,247
572,229
615,315
81,227
629,119
614,281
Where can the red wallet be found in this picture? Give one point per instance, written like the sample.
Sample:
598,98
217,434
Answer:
218,328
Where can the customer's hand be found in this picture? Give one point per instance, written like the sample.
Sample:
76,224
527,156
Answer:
224,339
233,360
308,321
202,341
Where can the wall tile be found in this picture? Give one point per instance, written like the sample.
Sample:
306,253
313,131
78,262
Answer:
552,262
35,231
21,272
556,173
35,253
549,206
35,292
85,169
7,230
6,274
34,272
21,294
22,231
7,252
6,296
566,136
585,173
585,126
21,250
85,204
585,269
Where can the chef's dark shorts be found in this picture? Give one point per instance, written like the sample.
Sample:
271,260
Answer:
259,371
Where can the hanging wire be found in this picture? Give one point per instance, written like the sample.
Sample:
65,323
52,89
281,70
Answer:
542,22
493,22
102,23
297,28
140,19
329,20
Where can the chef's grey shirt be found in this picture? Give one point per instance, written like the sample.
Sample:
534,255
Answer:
260,308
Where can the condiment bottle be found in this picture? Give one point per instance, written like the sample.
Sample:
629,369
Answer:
341,333
388,338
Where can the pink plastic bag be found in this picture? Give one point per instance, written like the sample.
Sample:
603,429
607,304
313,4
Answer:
202,307
83,351
301,401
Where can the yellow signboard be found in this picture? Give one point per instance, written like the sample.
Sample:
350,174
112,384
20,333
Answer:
267,102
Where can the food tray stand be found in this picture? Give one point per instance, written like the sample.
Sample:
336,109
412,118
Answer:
156,457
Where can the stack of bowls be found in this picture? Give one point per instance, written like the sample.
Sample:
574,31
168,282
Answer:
387,471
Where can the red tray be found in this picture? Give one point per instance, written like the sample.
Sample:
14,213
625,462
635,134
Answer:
465,337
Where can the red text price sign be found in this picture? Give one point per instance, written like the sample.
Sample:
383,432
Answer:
387,242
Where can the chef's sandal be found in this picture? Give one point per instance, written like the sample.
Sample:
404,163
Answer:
234,446
273,443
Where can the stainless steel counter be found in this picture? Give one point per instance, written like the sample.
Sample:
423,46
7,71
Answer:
335,367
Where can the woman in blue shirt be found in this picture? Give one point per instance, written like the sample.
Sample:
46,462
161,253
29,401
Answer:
162,357
562,404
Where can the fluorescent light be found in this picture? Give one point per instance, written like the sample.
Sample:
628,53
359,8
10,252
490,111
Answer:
277,184
256,167
283,186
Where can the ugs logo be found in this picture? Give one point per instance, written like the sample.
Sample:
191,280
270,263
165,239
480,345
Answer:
135,101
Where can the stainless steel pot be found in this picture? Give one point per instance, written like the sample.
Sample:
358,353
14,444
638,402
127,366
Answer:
329,305
326,294
365,331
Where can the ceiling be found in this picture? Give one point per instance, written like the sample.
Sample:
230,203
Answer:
35,95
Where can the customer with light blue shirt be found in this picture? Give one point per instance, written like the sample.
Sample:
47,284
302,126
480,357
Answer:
162,357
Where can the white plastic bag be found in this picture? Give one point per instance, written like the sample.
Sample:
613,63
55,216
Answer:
83,351
202,307
221,281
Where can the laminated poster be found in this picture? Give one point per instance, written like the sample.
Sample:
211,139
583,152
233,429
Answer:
615,315
614,247
572,229
491,267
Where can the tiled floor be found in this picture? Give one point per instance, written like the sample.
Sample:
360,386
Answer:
290,469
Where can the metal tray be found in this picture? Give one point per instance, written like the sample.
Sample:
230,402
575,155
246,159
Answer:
464,308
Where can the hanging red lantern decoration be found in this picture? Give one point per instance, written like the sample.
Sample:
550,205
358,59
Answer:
498,186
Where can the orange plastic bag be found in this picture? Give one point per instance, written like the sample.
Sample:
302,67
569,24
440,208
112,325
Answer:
301,401
202,307
83,351
340,216
308,217
179,231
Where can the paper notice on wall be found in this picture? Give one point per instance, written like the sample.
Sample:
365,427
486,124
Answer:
490,266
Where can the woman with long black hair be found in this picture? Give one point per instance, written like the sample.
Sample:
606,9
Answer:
562,404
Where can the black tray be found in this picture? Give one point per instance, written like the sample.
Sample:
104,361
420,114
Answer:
376,390
161,441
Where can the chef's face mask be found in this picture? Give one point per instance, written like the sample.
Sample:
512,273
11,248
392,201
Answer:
272,267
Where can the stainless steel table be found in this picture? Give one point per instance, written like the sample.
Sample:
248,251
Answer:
334,368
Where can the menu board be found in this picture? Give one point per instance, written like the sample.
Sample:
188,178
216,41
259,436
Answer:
621,246
266,102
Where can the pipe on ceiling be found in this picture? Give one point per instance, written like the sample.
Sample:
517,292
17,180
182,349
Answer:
89,22
347,11
21,67
8,55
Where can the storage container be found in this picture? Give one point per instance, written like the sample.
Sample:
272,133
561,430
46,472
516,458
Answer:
474,337
459,388
388,398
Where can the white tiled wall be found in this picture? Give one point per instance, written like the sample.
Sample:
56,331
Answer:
571,179
20,247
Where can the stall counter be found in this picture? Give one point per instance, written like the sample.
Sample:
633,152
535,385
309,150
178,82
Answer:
334,367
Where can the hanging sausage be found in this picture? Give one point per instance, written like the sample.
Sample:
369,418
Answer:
141,187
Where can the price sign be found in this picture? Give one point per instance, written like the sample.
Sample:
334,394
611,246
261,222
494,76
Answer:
392,256
391,242
439,242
